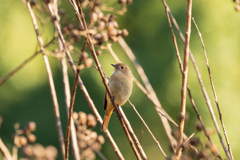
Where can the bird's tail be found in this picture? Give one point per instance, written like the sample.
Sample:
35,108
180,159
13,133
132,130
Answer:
106,120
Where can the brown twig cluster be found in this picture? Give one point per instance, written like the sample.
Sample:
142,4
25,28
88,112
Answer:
89,142
99,30
24,140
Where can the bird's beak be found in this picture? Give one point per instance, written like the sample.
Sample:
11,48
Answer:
113,65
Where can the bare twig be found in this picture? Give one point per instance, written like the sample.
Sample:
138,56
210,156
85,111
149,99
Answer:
159,146
82,87
5,152
215,96
3,79
90,45
72,103
75,148
184,79
50,78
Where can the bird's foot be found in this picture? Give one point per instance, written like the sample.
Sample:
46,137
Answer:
112,99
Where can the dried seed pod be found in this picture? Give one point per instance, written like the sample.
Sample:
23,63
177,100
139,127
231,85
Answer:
31,138
115,24
38,150
122,1
113,32
204,153
195,141
62,11
70,26
101,139
75,35
99,52
237,7
94,17
82,118
209,132
113,38
93,136
101,25
22,140
98,36
91,121
88,132
82,145
110,26
51,152
88,62
47,1
96,146
199,126
33,3
119,32
100,15
105,36
97,3
129,1
28,150
75,115
106,18
32,126
70,48
124,33
112,17
84,55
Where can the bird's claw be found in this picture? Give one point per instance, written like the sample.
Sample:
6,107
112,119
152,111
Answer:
112,99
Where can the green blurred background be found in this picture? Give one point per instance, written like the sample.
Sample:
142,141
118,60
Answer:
26,95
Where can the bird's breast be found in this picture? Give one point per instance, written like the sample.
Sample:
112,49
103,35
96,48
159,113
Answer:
120,87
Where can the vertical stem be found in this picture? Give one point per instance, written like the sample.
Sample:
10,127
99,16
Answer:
184,79
50,79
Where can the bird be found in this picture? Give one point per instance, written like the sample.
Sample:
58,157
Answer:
120,85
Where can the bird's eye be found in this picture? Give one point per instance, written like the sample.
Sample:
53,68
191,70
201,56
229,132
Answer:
122,67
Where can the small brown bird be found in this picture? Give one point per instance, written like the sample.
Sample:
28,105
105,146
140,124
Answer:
120,85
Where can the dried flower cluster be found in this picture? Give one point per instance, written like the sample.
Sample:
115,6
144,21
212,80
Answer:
206,149
88,140
24,137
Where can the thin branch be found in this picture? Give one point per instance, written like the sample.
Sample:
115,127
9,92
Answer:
215,96
204,128
3,79
50,78
5,152
82,87
72,103
91,47
159,146
74,143
184,79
